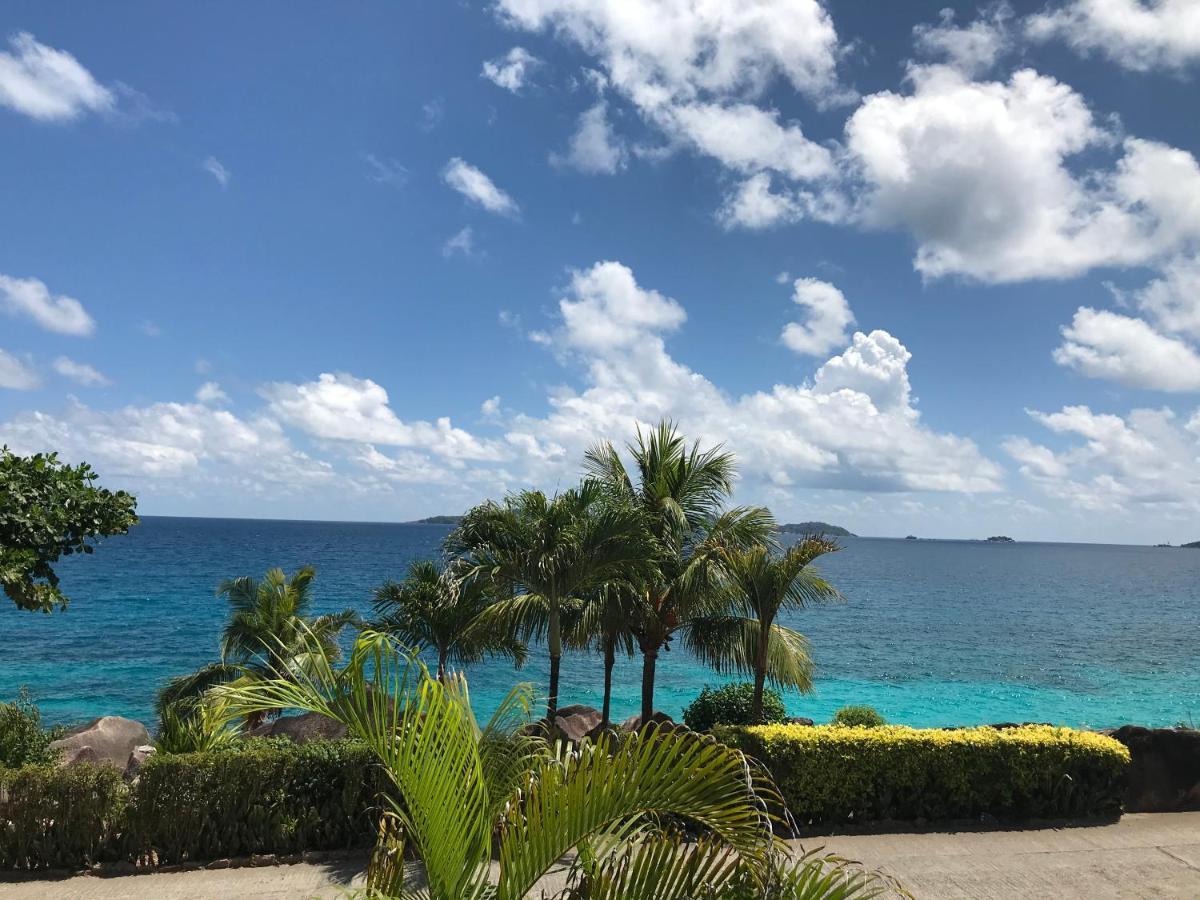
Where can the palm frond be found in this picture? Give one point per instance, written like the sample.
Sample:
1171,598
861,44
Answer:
730,644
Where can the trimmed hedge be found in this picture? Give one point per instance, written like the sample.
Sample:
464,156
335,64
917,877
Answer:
60,818
261,797
835,774
254,797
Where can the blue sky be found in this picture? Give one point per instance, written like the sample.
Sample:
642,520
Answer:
925,271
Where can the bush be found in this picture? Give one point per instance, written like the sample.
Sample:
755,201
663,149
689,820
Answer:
858,716
831,773
256,797
253,797
730,704
23,741
53,818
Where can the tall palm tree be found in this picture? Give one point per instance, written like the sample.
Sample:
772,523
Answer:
269,634
680,494
462,796
747,639
433,610
541,554
606,621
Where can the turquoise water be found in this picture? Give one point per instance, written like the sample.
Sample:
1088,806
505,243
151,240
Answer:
933,633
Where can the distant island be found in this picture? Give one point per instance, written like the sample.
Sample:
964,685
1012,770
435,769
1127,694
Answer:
911,537
1194,545
1001,539
816,528
438,520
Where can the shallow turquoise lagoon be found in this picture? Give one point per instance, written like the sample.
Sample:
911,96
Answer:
932,633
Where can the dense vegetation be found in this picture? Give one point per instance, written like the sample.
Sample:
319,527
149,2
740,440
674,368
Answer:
733,704
23,740
49,510
821,528
839,774
858,717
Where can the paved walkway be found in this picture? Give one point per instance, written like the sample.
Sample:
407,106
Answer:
1147,856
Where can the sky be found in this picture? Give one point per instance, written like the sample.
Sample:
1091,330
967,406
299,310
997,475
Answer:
924,269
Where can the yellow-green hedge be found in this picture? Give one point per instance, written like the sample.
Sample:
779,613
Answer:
830,773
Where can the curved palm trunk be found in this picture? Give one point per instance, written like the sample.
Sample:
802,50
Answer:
554,639
610,658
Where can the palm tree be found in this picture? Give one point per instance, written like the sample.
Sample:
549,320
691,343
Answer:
680,493
471,795
541,554
747,640
269,635
606,622
431,609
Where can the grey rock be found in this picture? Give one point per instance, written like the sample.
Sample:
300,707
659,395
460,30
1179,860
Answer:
1164,771
634,723
110,738
799,720
575,722
137,759
303,728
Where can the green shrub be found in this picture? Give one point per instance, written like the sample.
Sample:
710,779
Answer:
23,741
53,818
831,773
858,716
256,797
730,704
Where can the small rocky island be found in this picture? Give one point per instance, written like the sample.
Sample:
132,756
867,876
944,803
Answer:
1000,539
438,520
816,528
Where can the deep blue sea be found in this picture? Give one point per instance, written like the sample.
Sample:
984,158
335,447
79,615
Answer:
932,633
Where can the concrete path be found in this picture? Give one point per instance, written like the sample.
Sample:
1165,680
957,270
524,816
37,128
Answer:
1147,856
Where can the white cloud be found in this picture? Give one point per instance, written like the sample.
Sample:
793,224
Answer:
491,406
385,171
855,427
432,113
1145,461
512,70
48,84
1102,344
973,48
461,242
1173,300
1136,34
344,408
478,188
210,394
977,171
828,318
15,375
594,147
30,297
213,167
79,372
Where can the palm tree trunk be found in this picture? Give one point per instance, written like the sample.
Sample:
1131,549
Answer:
649,660
760,668
554,638
441,676
610,658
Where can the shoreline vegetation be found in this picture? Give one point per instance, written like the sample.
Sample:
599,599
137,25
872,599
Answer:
631,561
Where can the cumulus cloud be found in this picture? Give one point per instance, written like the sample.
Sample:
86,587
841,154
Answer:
594,148
828,318
1173,299
1102,344
210,394
478,188
344,408
1137,34
80,373
973,48
1143,461
15,375
512,70
31,298
214,167
978,173
47,84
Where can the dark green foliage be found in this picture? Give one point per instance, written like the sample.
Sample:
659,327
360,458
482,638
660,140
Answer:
830,774
259,797
823,528
53,818
23,741
732,704
48,510
858,717
252,797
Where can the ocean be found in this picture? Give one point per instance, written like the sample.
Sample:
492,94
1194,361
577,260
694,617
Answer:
932,633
